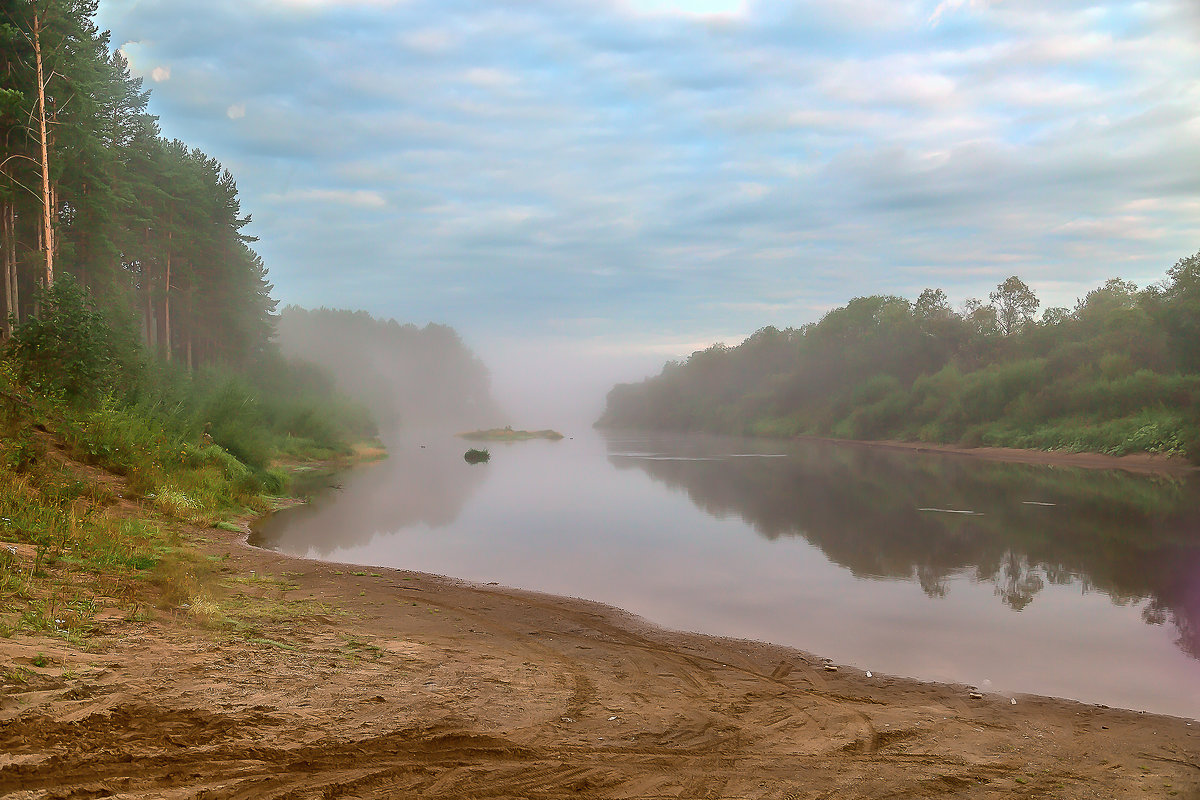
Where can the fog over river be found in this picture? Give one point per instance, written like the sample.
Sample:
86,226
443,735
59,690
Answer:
1062,581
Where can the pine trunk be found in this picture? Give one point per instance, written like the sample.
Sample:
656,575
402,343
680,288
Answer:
165,344
47,204
12,262
8,293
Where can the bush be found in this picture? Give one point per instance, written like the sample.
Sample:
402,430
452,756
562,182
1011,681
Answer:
67,349
232,417
474,456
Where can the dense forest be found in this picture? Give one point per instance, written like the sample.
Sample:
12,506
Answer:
1118,373
88,187
405,374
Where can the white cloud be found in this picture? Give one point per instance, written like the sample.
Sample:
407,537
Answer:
237,111
950,6
429,40
686,8
489,77
359,198
330,3
160,74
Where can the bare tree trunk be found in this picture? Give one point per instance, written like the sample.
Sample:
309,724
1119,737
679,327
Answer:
8,294
12,261
165,344
149,305
147,298
47,202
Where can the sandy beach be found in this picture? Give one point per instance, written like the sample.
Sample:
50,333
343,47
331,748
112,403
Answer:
351,682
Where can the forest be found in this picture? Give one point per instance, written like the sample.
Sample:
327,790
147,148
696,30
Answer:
1118,373
152,228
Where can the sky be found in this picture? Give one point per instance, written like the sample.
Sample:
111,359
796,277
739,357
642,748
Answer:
590,187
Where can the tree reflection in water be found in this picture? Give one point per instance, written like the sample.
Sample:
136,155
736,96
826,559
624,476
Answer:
1132,536
415,486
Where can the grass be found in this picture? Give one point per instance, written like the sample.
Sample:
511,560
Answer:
100,510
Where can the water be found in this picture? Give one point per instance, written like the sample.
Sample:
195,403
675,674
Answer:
1074,583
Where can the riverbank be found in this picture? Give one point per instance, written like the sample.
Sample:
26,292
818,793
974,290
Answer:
324,680
1133,462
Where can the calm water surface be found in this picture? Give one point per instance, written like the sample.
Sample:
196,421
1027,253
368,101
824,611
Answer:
1076,583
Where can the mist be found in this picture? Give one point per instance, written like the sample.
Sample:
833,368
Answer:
408,377
563,383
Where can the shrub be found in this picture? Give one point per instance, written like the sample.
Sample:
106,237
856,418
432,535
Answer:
67,349
474,456
232,417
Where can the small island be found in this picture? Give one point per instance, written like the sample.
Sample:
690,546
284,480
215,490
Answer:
507,434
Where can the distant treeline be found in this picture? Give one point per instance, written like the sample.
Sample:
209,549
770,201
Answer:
151,227
405,374
1118,373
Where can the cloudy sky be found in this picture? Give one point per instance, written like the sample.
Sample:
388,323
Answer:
652,175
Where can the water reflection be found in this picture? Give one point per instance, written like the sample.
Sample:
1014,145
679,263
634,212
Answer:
893,515
419,484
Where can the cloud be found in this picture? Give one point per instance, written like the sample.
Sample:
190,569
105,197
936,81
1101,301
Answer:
666,170
951,6
160,74
330,3
428,40
358,198
489,77
687,8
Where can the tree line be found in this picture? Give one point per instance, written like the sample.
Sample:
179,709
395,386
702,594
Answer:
406,375
1118,373
88,186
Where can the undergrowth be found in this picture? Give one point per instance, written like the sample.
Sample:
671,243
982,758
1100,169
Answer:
75,542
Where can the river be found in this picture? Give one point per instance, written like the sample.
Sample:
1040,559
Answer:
1014,578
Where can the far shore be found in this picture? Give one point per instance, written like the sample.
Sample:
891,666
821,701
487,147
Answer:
1134,462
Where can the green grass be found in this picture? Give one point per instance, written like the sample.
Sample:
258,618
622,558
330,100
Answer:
75,541
509,435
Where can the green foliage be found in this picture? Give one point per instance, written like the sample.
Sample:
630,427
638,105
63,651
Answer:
474,456
198,445
1015,304
66,349
231,416
1118,374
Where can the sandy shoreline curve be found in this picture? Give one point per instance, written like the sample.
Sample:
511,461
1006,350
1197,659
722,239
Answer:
361,682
